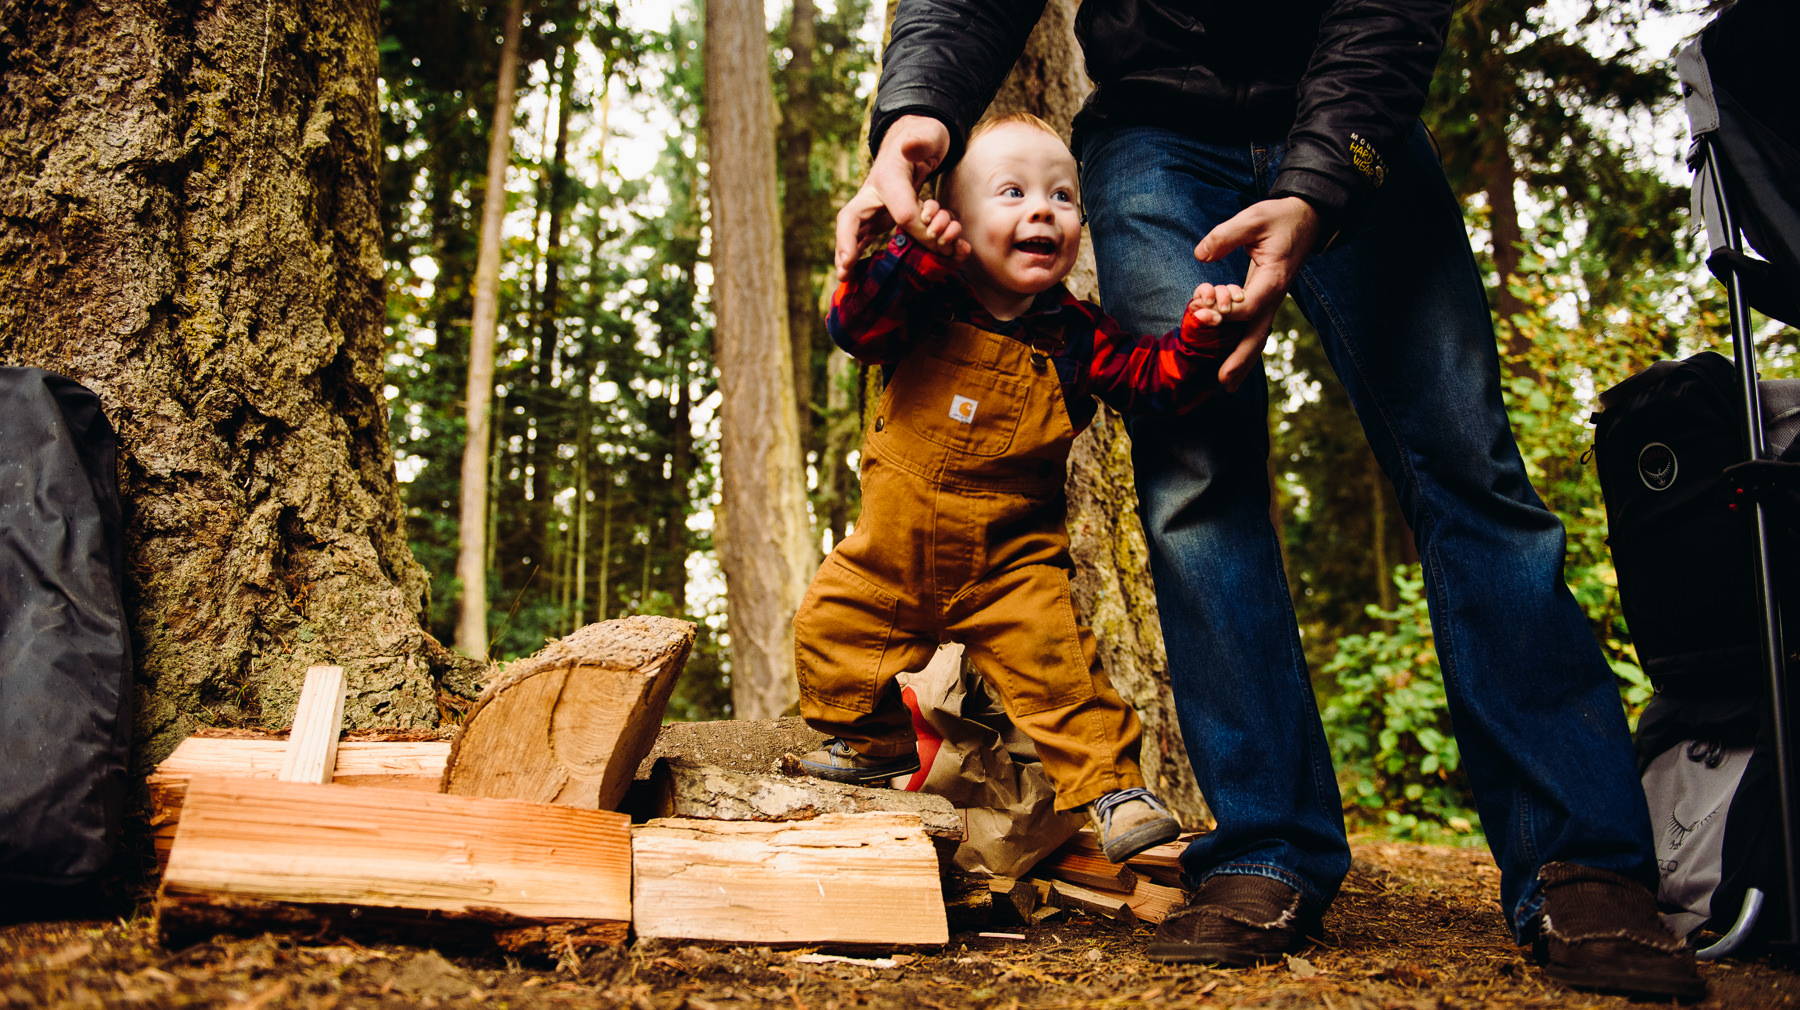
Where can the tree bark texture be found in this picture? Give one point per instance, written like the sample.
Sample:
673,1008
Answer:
472,550
189,226
1113,590
765,537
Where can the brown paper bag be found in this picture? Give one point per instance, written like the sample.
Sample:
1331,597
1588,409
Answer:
971,754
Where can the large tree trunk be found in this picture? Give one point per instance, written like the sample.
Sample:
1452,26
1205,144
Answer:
472,552
764,536
1113,590
190,228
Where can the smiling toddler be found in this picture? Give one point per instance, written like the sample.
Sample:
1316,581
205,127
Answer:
992,368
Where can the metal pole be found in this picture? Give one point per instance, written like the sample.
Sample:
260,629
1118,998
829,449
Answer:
1763,556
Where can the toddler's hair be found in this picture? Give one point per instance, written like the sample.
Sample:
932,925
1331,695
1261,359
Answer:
1025,118
941,185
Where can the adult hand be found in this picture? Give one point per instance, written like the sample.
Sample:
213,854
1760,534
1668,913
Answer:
910,150
1278,233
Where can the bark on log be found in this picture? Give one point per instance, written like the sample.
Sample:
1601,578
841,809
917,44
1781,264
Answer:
755,746
570,724
689,789
252,854
839,879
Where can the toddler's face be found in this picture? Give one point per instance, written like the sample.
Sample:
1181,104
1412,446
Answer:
1016,197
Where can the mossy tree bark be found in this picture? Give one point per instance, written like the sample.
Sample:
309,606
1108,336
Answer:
1113,590
188,226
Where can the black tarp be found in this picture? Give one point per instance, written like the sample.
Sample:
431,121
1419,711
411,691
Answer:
65,653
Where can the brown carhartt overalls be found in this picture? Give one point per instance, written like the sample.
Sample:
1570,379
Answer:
962,539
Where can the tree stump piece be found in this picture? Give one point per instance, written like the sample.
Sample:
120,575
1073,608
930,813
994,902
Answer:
686,788
570,724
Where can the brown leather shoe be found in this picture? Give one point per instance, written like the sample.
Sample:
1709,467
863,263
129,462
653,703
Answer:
1599,931
1235,919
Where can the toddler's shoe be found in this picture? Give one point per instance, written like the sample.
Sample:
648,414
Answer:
1128,821
839,762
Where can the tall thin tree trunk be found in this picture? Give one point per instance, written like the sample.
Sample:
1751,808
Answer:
1113,590
191,230
765,544
1378,534
802,254
583,446
472,553
681,463
602,597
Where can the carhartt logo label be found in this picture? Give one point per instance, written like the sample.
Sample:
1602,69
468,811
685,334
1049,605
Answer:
1657,466
962,409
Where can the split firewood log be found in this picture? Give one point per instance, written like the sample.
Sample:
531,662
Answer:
570,724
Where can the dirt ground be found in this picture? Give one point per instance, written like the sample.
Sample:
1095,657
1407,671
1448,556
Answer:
1416,927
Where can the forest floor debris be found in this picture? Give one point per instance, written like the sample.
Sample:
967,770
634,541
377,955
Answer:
1415,928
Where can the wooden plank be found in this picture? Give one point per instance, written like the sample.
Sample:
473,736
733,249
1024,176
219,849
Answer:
311,754
1153,902
570,724
398,764
685,788
840,879
1166,855
252,854
1013,901
1106,904
1079,867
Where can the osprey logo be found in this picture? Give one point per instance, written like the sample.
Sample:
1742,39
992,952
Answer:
1657,466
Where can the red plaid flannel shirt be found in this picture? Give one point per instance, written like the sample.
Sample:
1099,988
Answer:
891,299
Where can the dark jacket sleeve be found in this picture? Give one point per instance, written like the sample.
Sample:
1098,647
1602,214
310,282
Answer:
946,58
1358,100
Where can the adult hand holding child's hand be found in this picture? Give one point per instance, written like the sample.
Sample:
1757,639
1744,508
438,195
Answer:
910,150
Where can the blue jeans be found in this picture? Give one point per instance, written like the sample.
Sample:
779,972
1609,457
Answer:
1405,323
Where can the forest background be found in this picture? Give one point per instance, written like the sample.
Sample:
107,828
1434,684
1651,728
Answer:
297,374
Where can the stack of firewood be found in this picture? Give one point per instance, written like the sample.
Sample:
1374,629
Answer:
509,834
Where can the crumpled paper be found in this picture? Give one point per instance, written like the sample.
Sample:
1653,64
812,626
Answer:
971,754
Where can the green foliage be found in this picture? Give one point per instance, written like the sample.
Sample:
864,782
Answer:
1389,727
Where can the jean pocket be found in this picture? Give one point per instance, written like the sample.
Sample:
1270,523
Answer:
841,635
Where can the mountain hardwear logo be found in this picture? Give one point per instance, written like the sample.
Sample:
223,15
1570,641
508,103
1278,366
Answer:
1657,466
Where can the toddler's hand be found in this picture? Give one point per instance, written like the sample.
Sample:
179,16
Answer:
941,232
1212,303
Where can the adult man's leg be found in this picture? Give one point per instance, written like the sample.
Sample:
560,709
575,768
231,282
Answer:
1405,322
1242,694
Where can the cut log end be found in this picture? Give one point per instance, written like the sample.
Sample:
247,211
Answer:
570,724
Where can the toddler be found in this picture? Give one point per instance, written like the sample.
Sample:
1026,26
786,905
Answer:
992,368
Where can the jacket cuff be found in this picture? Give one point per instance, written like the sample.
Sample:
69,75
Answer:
928,266
886,117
